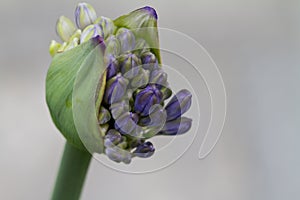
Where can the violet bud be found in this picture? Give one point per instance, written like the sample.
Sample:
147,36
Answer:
144,150
85,15
179,104
141,79
176,127
112,66
146,98
115,89
112,138
159,77
129,65
107,26
149,61
127,124
127,39
91,31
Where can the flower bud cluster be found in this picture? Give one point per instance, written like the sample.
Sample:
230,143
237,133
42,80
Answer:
133,108
136,90
88,26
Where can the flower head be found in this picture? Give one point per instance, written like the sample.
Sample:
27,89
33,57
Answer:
132,87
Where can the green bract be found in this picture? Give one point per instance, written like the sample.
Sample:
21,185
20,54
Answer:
77,73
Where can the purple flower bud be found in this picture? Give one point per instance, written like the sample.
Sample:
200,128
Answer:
85,15
115,89
159,77
112,138
147,98
179,104
127,39
144,150
149,61
156,118
91,31
104,115
129,65
112,66
127,124
141,79
176,127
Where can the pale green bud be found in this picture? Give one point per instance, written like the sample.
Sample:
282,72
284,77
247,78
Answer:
85,15
112,46
91,31
54,46
107,26
65,28
62,47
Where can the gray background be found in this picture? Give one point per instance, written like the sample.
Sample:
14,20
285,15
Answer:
256,46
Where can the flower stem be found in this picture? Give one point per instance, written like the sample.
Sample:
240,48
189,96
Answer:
71,175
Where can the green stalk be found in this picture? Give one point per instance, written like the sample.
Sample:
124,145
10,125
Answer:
71,175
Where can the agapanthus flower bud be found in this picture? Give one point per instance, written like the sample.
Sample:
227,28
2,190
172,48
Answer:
53,48
62,47
159,77
179,104
129,65
116,70
149,61
144,150
146,98
127,124
115,89
127,39
104,115
112,66
85,15
141,79
176,127
156,118
112,138
91,31
107,26
112,46
65,28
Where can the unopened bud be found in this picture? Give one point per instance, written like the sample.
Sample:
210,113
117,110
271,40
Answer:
115,89
85,15
65,28
127,39
91,31
107,26
54,46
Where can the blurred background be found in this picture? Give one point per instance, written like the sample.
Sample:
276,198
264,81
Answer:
256,47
